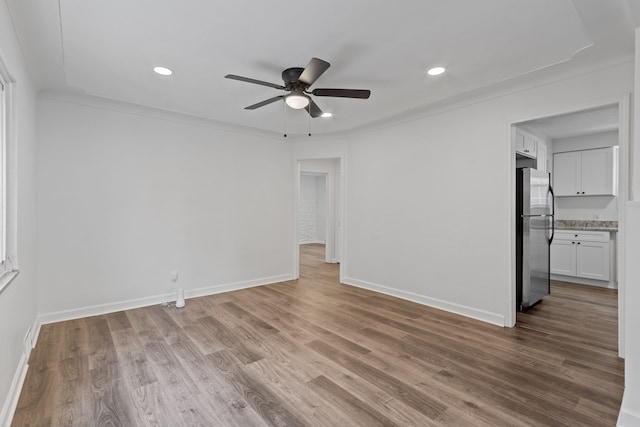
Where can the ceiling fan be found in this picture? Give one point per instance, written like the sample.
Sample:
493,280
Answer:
297,82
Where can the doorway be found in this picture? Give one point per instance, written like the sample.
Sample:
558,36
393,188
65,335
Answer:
597,129
318,208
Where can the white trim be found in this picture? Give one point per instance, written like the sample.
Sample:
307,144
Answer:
218,289
627,418
624,179
623,103
340,244
463,310
7,277
10,404
13,395
313,242
95,310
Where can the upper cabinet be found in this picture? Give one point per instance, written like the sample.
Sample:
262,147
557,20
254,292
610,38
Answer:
526,144
586,172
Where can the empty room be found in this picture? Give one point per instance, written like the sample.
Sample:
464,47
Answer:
359,213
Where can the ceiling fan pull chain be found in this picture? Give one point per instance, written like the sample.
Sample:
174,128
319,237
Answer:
285,119
309,125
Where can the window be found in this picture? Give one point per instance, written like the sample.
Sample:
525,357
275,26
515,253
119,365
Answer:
8,209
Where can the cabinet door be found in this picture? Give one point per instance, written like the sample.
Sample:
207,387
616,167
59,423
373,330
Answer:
525,144
598,175
530,145
566,173
563,257
592,260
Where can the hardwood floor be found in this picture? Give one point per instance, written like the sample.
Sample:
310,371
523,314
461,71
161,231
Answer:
314,352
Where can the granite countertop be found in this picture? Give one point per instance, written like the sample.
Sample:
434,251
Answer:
588,225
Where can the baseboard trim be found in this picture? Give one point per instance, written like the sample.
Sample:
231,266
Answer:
96,310
627,418
9,407
313,242
583,281
485,316
218,289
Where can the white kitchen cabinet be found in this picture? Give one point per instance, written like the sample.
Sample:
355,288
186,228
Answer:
582,254
586,172
526,144
592,260
563,257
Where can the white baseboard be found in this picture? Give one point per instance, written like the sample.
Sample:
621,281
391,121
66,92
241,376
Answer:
96,310
312,242
626,417
9,407
474,313
582,281
218,289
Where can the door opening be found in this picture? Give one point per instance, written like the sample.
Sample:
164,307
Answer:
595,136
319,208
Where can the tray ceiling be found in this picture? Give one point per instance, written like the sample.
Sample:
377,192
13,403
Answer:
108,49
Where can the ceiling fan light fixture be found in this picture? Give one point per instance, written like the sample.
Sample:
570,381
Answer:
297,100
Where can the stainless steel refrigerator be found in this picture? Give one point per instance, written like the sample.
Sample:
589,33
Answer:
534,233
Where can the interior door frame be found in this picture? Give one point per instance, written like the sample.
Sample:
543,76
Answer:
623,102
340,246
329,239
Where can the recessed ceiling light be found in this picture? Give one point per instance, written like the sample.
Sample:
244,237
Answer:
163,71
436,71
327,114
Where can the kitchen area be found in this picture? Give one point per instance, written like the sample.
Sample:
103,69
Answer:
576,157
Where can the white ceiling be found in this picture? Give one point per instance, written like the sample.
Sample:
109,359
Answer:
108,48
585,122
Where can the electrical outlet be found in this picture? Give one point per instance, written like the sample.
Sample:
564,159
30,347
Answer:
174,275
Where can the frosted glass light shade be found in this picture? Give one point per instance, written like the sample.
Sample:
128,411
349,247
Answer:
297,101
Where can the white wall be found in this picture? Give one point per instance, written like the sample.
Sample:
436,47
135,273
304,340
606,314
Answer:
429,214
18,301
321,208
605,208
312,212
126,197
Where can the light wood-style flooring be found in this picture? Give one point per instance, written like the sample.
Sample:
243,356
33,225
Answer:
314,352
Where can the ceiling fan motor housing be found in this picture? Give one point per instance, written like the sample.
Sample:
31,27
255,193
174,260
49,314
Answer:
290,77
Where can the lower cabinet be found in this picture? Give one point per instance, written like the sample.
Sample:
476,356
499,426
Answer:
581,254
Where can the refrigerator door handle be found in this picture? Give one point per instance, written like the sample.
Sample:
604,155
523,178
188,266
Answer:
553,209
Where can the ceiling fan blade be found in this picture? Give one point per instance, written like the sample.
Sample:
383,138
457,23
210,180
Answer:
313,70
343,93
263,103
254,81
313,109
